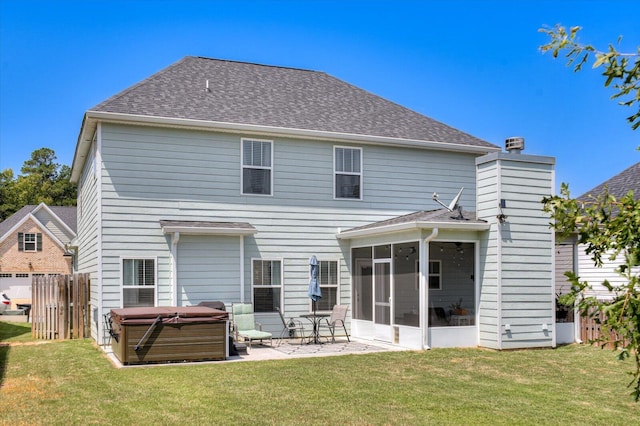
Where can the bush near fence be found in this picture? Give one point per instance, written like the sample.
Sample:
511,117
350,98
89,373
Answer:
60,307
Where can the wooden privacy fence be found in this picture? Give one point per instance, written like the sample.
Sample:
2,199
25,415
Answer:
60,307
590,330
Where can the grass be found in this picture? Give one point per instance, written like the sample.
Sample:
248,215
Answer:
72,382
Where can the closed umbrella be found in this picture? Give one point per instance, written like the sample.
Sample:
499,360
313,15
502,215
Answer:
314,287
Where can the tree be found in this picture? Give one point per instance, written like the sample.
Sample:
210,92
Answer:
606,226
42,181
621,69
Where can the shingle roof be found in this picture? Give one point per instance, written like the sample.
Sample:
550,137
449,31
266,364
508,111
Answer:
619,185
252,94
66,214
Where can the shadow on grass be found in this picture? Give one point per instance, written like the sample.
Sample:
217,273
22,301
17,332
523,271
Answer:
4,355
10,330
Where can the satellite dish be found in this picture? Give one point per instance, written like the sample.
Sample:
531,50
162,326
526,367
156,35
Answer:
453,205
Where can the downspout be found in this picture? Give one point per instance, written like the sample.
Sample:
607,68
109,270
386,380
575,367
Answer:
424,299
174,267
499,260
241,268
99,260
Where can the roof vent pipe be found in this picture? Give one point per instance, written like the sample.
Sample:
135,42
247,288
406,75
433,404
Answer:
514,144
206,88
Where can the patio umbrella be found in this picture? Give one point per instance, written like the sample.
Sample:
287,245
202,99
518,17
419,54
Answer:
314,287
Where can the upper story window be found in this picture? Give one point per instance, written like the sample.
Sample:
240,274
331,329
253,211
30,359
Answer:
138,282
348,172
257,167
29,241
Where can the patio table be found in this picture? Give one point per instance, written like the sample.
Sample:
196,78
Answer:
315,320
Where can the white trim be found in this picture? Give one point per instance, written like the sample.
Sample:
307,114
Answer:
387,229
208,230
281,286
39,224
242,284
60,221
360,174
337,286
90,118
499,258
155,277
270,168
173,253
97,137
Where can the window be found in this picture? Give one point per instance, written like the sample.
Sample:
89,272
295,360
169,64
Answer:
348,172
256,166
328,280
435,275
138,282
267,285
29,241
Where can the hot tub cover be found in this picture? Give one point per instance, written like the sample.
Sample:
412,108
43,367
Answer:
168,314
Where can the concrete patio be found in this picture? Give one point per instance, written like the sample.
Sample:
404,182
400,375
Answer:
285,350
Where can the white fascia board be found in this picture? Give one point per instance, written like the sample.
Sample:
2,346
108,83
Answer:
38,223
60,222
189,230
411,225
84,139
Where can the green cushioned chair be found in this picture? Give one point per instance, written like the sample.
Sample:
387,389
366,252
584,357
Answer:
245,325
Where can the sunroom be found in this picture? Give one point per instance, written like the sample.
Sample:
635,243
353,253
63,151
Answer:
415,280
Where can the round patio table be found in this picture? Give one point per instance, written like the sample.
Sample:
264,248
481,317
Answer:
315,320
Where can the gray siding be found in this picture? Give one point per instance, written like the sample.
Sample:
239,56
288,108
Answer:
151,174
54,226
87,233
487,208
524,246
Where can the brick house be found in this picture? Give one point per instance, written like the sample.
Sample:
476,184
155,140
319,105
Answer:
33,241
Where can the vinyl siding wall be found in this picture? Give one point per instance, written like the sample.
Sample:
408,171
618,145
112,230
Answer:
523,249
488,197
150,174
87,233
54,226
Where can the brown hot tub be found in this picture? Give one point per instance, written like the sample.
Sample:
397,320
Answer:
169,334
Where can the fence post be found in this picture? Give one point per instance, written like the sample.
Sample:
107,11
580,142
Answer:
59,306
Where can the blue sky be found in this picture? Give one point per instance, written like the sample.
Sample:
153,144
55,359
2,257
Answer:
474,65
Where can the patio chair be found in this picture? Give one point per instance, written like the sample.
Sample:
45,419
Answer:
290,327
337,318
245,325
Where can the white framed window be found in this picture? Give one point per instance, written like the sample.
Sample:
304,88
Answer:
328,280
435,275
266,284
29,241
257,167
347,170
138,282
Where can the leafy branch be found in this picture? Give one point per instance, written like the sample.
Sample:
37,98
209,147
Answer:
609,227
621,69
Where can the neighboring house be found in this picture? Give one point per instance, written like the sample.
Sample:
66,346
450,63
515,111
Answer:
32,243
218,180
618,186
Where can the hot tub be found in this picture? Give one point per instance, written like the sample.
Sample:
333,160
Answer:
169,334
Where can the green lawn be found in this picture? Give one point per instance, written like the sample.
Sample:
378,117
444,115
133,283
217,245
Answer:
72,382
